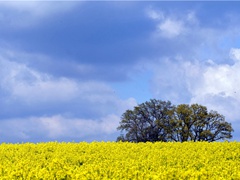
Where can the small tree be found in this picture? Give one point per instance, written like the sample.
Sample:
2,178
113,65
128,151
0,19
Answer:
146,122
195,123
157,120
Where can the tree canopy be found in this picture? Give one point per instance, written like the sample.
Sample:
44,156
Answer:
157,120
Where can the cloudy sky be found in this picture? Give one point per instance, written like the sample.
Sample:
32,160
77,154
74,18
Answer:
68,70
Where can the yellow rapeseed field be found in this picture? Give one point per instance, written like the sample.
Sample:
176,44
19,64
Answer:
111,160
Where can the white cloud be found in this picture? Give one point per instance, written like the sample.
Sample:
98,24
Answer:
219,88
169,81
26,86
58,127
33,87
154,14
30,85
216,86
192,78
235,54
171,28
27,13
37,8
191,18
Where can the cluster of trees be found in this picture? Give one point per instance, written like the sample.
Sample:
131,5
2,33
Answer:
157,120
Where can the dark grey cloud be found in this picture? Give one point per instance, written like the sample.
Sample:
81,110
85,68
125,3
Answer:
93,34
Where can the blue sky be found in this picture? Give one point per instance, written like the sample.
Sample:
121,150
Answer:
70,69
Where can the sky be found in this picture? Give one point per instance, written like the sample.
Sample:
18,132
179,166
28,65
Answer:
70,69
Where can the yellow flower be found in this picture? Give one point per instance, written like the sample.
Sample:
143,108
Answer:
122,160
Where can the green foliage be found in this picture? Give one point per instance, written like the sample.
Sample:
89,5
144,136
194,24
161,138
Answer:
157,120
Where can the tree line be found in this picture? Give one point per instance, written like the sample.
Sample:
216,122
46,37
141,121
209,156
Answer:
157,120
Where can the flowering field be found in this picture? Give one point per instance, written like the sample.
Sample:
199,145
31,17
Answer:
110,160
